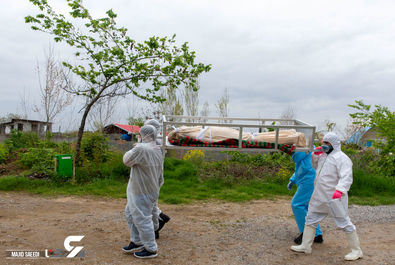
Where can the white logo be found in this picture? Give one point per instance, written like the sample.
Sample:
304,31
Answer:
73,250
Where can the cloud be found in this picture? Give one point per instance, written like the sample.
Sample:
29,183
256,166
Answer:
316,56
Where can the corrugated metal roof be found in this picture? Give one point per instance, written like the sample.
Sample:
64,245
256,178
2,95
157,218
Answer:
23,120
356,137
129,128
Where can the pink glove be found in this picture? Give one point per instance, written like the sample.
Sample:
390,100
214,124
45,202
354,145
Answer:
318,150
337,195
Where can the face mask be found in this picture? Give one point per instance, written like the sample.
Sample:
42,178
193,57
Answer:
326,148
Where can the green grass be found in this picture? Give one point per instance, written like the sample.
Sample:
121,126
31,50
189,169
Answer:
370,189
99,187
183,185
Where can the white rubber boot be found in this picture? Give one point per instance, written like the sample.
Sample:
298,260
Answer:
307,241
356,251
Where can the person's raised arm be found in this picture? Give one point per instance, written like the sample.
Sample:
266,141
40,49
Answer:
132,157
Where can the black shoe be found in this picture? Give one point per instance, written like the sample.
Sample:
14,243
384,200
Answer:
156,234
163,219
132,248
319,239
145,254
298,240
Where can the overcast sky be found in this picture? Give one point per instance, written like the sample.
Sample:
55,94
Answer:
313,56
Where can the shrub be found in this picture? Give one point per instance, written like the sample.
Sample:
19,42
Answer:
270,160
113,168
40,160
64,148
94,147
3,153
372,162
18,139
194,156
382,119
283,176
385,165
275,167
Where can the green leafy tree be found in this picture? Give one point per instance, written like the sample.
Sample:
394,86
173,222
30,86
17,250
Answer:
110,63
382,119
139,121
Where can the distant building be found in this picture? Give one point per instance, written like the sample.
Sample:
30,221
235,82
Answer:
128,132
364,137
24,125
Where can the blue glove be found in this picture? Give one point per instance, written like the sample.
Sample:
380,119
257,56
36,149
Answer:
290,184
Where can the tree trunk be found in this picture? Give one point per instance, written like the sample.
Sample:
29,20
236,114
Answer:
81,131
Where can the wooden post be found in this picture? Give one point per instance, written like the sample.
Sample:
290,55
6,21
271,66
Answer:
73,179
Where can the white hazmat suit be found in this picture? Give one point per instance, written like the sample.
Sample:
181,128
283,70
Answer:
155,211
333,173
146,162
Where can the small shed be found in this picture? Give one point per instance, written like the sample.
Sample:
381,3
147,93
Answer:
24,125
127,131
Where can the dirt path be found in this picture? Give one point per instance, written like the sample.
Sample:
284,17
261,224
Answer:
258,232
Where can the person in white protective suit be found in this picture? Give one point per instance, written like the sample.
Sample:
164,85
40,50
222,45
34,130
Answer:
333,180
146,178
158,217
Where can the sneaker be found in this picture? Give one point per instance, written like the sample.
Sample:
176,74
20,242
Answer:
163,219
298,240
145,254
157,234
132,248
319,239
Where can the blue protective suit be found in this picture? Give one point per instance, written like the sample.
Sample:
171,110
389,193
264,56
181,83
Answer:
304,179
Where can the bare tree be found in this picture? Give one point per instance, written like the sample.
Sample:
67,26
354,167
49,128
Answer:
9,117
134,107
70,120
222,104
24,104
205,111
352,128
172,104
53,81
288,114
102,113
330,125
191,100
139,111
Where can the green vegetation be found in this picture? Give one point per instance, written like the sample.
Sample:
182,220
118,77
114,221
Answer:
242,177
3,153
99,187
382,119
18,140
110,63
94,148
40,160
